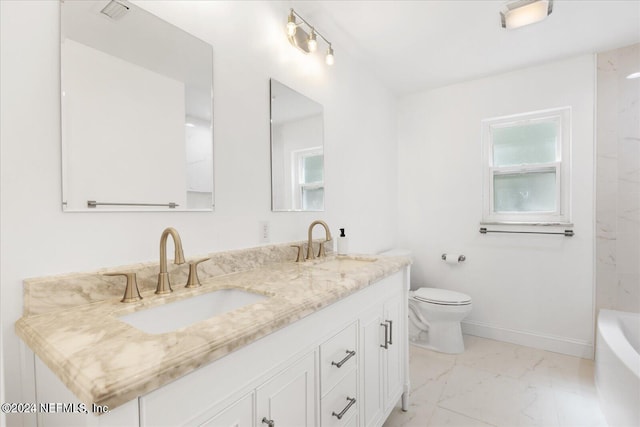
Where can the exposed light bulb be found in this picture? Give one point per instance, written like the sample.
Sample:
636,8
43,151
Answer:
329,58
291,24
312,43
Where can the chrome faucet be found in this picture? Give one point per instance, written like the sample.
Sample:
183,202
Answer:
327,238
164,285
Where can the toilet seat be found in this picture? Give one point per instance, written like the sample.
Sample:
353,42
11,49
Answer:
441,296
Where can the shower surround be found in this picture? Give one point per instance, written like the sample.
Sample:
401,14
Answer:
618,181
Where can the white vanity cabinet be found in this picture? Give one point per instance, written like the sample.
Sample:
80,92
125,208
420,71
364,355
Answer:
238,414
286,399
392,356
383,345
338,377
338,367
289,399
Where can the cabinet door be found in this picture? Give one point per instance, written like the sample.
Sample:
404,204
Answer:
393,355
289,398
239,414
371,338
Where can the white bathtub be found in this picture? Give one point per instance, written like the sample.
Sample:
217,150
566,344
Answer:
617,373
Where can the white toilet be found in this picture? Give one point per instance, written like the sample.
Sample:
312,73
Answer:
435,316
434,319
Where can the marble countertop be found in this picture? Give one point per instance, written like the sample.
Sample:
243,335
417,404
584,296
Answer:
108,362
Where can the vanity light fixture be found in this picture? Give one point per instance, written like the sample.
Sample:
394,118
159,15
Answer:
519,13
306,41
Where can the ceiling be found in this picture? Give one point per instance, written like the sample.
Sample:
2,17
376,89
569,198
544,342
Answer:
423,44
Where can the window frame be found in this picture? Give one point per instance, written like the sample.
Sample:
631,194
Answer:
561,166
298,186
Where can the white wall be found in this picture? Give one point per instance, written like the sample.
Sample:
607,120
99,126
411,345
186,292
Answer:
530,289
249,47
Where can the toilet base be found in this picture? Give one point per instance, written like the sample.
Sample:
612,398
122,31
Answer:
443,337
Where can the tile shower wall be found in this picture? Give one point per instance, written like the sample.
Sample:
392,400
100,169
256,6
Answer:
618,181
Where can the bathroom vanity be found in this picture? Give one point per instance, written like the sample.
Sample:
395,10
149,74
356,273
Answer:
323,343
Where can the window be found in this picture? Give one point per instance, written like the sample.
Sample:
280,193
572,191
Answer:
526,161
309,179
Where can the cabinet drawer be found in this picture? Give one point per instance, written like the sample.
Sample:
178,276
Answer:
340,401
337,357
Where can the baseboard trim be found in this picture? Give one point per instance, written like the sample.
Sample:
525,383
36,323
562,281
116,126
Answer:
572,347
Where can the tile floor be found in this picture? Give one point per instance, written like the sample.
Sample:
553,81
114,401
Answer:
499,384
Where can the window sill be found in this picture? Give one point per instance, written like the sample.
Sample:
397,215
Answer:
528,224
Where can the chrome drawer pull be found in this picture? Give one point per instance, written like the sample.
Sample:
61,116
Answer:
270,423
339,364
386,336
390,332
352,402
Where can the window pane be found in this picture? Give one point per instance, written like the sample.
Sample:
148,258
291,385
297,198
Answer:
313,199
525,192
525,144
312,168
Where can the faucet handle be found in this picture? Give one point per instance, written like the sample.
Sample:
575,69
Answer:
310,254
321,251
131,292
300,256
193,281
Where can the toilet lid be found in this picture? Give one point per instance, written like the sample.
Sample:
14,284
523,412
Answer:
441,296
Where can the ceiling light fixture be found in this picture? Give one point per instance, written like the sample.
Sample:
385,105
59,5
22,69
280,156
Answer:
306,41
519,13
634,76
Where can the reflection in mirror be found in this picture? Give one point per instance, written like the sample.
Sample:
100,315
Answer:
136,111
297,155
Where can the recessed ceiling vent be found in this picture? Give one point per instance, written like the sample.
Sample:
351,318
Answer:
115,10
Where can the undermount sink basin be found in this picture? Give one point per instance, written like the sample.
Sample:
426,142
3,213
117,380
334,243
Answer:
176,315
345,264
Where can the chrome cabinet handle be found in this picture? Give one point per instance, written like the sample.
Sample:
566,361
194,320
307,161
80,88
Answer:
386,335
352,401
390,331
339,364
270,423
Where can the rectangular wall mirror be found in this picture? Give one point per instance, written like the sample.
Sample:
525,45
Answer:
136,111
297,154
